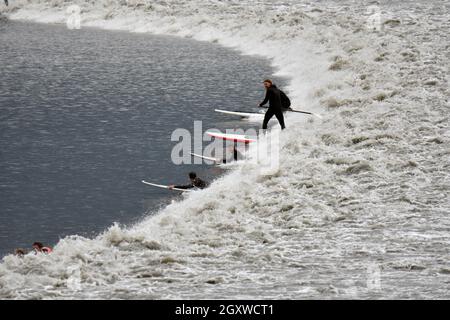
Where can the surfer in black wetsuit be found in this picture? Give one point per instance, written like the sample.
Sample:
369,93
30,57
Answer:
196,182
6,2
273,96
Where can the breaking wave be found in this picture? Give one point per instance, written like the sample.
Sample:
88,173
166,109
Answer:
360,196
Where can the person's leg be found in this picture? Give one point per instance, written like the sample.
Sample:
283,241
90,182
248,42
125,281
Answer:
280,117
267,117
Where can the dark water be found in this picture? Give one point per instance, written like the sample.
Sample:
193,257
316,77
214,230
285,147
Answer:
87,114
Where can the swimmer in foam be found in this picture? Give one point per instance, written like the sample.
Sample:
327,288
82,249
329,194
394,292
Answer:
39,248
20,252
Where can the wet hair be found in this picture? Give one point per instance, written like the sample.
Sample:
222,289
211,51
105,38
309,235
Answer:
38,244
20,252
268,80
192,175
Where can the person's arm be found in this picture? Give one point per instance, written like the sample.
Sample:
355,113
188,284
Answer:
187,186
265,99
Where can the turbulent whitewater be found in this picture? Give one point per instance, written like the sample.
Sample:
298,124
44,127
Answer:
359,206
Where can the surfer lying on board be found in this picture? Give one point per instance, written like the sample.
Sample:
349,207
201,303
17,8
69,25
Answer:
196,182
274,97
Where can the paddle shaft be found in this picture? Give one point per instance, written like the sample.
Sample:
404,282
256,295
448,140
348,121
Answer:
290,110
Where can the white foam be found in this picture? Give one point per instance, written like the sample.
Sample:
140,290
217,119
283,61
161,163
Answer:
352,190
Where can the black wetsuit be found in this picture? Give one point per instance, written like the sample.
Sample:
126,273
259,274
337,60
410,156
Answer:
6,2
275,108
196,183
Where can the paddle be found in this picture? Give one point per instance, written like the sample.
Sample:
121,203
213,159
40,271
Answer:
298,111
306,112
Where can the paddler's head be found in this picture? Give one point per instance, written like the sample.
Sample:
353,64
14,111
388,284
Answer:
267,83
20,252
192,175
38,246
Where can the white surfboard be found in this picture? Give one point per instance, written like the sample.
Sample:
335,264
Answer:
206,158
219,163
164,187
241,114
231,137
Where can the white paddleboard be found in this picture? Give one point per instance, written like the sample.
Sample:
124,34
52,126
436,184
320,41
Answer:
241,114
163,186
231,137
217,161
206,158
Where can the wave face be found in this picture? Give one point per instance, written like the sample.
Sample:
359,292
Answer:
359,206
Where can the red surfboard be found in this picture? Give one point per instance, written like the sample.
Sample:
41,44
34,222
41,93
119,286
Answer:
231,137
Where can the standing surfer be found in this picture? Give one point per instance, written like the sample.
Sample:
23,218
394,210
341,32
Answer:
6,2
274,97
